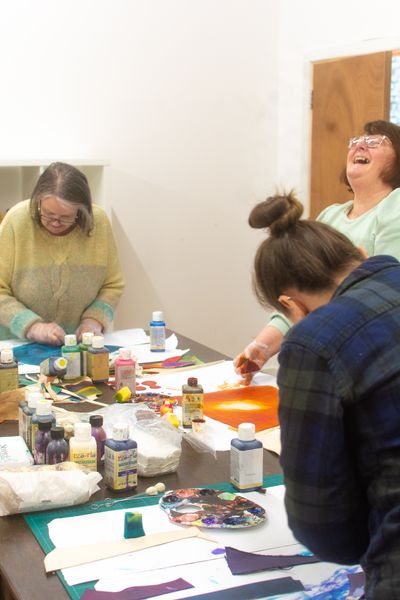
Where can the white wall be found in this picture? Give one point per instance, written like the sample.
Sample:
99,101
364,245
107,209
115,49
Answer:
201,107
312,31
180,96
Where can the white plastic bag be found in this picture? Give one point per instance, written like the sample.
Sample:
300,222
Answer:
33,488
158,442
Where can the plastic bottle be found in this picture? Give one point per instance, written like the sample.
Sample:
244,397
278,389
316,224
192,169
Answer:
96,422
55,366
57,450
125,370
120,459
71,352
42,438
157,332
22,418
83,447
98,368
246,459
30,410
42,414
8,371
192,402
87,339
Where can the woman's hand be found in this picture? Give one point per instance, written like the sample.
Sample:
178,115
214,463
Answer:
46,333
91,325
256,354
251,360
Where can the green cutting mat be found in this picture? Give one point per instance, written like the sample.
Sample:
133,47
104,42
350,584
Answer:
38,522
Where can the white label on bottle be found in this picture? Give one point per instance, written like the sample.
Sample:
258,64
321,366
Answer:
73,364
247,468
157,337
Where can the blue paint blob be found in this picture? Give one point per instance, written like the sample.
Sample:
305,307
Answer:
218,551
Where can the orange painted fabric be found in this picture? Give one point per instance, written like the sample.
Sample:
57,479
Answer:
253,404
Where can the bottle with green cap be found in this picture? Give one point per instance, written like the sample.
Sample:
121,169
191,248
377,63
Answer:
70,351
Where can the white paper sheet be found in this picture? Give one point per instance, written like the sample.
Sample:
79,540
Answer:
215,576
210,377
100,527
126,337
141,351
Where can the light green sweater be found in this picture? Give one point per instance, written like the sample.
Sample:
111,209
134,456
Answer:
60,279
377,231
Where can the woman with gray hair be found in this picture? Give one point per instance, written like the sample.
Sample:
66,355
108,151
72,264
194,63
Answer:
59,267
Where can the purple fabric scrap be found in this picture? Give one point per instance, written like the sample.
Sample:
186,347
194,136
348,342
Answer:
241,562
139,592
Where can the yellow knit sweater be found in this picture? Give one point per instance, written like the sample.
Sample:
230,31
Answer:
49,278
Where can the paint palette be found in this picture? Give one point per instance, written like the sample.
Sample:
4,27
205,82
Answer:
204,507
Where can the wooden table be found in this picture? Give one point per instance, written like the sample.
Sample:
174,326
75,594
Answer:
22,575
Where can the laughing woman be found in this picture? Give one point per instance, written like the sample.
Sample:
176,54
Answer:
371,220
59,268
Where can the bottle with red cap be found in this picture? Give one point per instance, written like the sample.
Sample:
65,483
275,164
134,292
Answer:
192,402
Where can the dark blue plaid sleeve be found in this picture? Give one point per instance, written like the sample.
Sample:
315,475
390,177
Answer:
324,507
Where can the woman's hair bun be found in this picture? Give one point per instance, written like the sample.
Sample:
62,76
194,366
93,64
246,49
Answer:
278,213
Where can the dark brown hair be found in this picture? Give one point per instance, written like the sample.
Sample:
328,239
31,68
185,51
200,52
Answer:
299,253
392,174
70,185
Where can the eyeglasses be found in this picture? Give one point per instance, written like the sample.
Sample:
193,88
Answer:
371,141
60,220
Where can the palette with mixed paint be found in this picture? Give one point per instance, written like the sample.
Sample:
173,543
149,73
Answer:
204,507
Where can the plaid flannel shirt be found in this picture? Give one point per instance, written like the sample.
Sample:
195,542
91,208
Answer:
339,388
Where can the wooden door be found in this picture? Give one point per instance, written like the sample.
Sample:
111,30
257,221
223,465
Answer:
347,92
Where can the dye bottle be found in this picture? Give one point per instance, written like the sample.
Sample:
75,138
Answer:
96,422
87,339
120,460
57,450
30,410
83,447
70,351
98,368
125,370
192,402
54,366
42,414
246,459
8,371
157,332
42,438
22,417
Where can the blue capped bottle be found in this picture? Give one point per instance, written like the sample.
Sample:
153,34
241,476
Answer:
157,332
